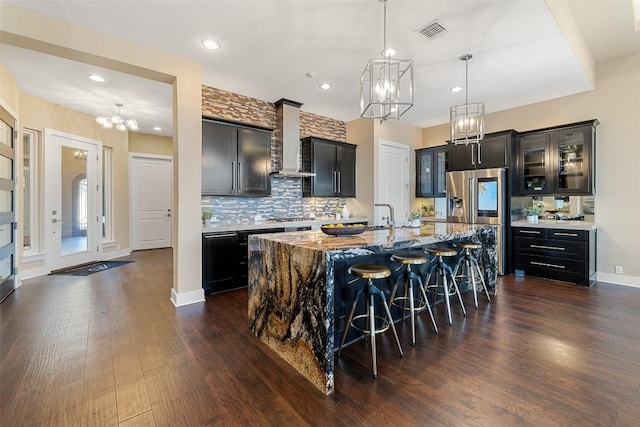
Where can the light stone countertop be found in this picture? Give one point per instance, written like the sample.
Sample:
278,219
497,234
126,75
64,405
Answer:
550,223
261,225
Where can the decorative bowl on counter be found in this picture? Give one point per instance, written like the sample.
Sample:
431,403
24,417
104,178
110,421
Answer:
342,229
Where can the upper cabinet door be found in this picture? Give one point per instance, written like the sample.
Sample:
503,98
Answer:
424,173
440,168
572,160
324,158
254,162
218,159
493,152
346,170
533,164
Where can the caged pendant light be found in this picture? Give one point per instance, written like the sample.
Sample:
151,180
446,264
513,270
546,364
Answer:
467,121
386,84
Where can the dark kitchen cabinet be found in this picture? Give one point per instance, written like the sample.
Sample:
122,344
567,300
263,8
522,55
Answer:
558,160
534,165
219,261
334,164
559,254
431,165
494,151
236,161
225,259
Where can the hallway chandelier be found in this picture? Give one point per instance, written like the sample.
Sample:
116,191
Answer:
386,85
80,155
117,121
467,121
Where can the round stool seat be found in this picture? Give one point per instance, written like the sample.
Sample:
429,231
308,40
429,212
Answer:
441,251
409,258
370,271
468,245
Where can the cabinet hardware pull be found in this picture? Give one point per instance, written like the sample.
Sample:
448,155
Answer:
472,161
529,232
239,177
335,182
233,176
547,247
544,264
217,236
339,182
566,234
479,159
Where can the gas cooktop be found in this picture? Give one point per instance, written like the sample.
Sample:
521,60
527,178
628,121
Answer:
299,218
570,218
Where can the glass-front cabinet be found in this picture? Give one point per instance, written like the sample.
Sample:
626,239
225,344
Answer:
534,164
572,159
558,160
431,165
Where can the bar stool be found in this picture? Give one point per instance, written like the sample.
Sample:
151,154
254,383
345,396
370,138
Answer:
442,270
370,272
471,267
409,276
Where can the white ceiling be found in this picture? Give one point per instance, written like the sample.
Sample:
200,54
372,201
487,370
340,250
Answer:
268,46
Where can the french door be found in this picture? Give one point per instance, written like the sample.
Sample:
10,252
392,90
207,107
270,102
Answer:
73,198
7,204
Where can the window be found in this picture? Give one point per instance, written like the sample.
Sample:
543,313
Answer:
30,166
107,195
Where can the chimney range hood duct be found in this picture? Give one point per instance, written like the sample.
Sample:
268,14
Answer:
288,140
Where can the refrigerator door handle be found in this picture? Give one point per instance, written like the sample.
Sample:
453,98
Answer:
471,219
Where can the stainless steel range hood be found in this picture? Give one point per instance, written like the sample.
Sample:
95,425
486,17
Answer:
288,140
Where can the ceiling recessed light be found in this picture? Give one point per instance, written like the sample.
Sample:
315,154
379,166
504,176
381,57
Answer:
456,89
96,77
157,128
325,86
211,44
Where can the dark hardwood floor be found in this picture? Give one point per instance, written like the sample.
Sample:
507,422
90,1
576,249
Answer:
110,349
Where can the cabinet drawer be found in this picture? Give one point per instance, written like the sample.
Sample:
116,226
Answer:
555,248
530,232
563,234
552,267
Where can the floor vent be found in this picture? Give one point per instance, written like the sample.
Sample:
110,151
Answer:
433,29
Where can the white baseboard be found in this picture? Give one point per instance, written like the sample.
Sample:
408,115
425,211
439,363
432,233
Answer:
30,273
115,254
186,298
619,279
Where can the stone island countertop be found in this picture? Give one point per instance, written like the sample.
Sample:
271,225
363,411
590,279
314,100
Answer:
293,278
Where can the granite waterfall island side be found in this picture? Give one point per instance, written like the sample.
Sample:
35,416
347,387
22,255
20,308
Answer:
298,285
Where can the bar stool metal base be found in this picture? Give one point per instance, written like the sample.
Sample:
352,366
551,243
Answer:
470,267
370,291
408,296
441,271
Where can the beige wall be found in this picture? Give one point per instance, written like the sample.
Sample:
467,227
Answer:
614,102
150,144
9,90
365,133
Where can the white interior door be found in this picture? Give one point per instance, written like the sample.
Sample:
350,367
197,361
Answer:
393,181
151,198
73,198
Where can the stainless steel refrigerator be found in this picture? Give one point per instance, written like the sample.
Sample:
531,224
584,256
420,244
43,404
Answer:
479,197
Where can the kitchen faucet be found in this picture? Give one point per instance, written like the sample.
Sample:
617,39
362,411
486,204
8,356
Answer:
390,219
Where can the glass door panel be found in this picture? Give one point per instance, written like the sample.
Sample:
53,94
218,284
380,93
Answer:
7,205
571,161
74,206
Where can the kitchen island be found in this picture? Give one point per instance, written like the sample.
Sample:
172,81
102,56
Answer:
296,278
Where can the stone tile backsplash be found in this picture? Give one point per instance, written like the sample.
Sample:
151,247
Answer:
286,201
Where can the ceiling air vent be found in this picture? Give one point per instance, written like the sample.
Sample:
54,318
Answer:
433,29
